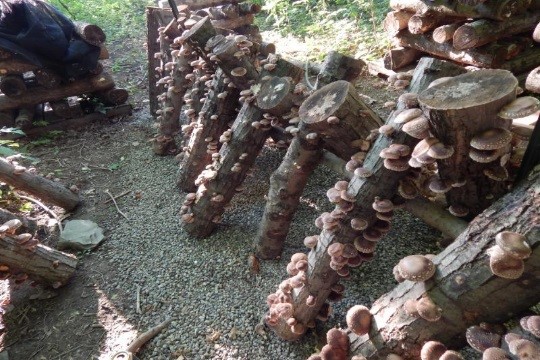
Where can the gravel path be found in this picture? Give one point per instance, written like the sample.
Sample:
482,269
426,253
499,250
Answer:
205,286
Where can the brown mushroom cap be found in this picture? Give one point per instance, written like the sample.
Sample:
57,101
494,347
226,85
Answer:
432,350
382,205
400,164
440,151
397,274
484,156
330,353
337,338
362,172
458,210
364,246
238,71
311,241
416,268
521,107
480,339
407,189
418,127
359,319
402,149
423,146
439,186
504,265
494,353
389,153
407,115
359,224
372,234
428,310
410,307
514,244
335,249
497,173
358,357
492,139
524,349
410,100
451,355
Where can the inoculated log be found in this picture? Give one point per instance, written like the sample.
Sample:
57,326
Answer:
320,277
238,67
114,96
484,31
489,56
456,116
463,286
40,95
213,120
228,172
276,66
90,33
45,189
445,33
39,262
27,225
154,20
532,83
12,85
47,78
497,10
531,158
400,57
25,117
395,21
523,62
337,66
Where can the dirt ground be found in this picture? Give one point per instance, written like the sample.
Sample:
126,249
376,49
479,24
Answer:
76,321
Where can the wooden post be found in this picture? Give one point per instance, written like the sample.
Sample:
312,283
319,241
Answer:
463,286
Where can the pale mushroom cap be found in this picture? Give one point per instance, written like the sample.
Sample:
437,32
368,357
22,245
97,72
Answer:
417,127
432,350
521,107
423,146
524,349
492,139
428,310
480,339
451,355
514,244
494,353
458,210
363,172
402,149
359,224
409,99
389,153
359,319
407,115
504,265
439,186
416,268
533,325
364,246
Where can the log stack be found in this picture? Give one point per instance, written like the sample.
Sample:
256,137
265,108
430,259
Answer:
484,34
29,92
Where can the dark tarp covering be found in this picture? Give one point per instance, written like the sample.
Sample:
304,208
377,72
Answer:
37,32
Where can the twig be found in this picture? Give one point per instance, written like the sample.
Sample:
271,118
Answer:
49,211
118,196
145,337
306,76
138,302
116,205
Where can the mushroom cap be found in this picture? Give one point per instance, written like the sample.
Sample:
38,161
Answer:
407,189
533,325
397,274
359,224
508,338
402,149
372,234
238,71
417,128
382,225
514,244
335,249
407,115
451,355
363,172
494,353
311,241
428,310
505,265
458,210
387,216
410,307
521,107
484,156
337,338
389,153
440,151
410,100
414,163
331,353
492,139
358,357
439,186
359,319
497,173
355,261
432,350
341,185
524,349
400,164
423,146
416,268
364,246
349,251
315,357
387,129
382,205
480,339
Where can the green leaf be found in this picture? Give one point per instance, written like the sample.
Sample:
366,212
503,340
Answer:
114,166
6,151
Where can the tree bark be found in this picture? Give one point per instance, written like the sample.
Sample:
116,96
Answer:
400,57
232,24
284,68
47,190
523,62
445,33
396,21
531,158
92,34
40,95
12,85
276,96
337,66
47,78
42,264
233,66
484,31
383,183
113,97
28,225
66,108
455,117
532,83
463,285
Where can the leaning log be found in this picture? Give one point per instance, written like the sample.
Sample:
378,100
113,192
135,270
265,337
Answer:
463,286
532,83
45,189
36,262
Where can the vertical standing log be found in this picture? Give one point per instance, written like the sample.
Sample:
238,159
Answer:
459,110
320,276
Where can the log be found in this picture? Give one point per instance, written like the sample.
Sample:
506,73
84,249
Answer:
532,83
463,285
489,56
448,108
12,85
232,11
28,225
17,67
221,103
526,61
154,67
240,70
90,33
320,276
337,66
395,21
41,264
47,190
25,117
235,23
39,95
202,4
267,48
113,97
276,96
422,23
47,78
484,31
282,68
400,57
496,10
66,108
445,33
531,158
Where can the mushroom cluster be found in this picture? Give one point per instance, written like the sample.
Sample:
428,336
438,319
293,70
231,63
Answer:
531,324
400,80
424,308
24,241
506,257
336,348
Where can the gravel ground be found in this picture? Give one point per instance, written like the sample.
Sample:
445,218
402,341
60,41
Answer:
205,286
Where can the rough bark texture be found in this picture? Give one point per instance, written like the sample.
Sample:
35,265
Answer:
45,189
396,21
233,66
445,33
400,57
283,68
458,110
207,131
337,66
383,183
42,264
532,83
463,285
483,31
427,65
14,66
276,96
40,95
201,4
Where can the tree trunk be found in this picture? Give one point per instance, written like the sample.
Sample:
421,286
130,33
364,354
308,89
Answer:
396,21
484,31
463,285
12,85
92,34
532,83
42,264
217,112
47,190
383,183
445,33
28,225
38,95
450,110
398,58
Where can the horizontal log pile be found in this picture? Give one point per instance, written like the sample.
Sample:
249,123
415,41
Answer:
26,88
493,34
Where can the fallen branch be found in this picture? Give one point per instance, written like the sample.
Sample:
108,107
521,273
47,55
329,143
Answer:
118,196
139,342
